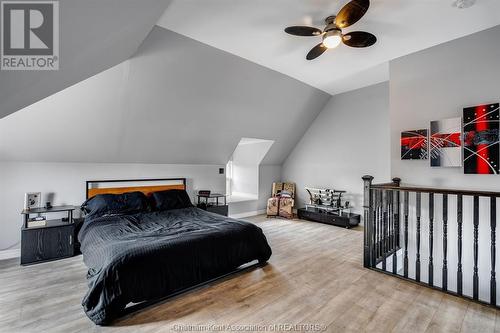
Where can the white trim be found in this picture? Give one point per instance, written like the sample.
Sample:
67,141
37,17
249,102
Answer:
9,254
248,214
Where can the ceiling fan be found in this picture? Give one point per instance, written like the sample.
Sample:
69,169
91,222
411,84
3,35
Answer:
332,33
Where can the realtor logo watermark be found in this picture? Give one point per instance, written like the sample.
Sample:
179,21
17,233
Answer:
29,35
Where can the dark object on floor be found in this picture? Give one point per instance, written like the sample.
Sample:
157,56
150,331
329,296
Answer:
340,220
51,240
148,256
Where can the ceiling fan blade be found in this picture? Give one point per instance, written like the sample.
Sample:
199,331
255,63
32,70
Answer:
359,39
351,13
303,31
316,51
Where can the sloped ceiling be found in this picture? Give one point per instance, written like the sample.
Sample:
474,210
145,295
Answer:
175,101
253,29
94,35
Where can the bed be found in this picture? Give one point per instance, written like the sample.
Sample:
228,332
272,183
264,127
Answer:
141,256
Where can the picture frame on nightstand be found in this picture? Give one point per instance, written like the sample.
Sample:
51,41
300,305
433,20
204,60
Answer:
32,200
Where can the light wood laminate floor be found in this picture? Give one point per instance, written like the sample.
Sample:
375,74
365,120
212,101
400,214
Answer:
315,276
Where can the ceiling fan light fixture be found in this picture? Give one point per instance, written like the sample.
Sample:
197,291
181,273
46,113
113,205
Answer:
462,4
332,38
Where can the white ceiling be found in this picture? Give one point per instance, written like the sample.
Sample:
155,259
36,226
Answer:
253,29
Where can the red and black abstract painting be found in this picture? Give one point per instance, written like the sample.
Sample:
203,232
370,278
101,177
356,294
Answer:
446,142
414,145
481,144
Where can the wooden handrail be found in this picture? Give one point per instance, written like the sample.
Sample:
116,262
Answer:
389,221
435,190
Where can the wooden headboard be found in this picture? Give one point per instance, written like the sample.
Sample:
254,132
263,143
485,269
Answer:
146,186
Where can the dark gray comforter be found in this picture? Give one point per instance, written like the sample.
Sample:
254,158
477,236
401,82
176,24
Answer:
146,256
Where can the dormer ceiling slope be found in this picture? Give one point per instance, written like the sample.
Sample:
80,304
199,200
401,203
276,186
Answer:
175,101
94,35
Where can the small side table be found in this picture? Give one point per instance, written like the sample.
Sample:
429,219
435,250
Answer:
213,202
52,241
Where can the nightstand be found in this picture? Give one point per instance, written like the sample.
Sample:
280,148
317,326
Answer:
217,206
52,241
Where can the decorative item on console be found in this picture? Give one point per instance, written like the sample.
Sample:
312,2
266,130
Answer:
326,199
32,200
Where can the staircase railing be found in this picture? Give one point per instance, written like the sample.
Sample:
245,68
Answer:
407,234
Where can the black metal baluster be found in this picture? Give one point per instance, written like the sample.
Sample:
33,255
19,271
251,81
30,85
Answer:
445,242
431,239
374,225
493,226
406,195
459,266
379,230
384,228
475,276
368,221
397,183
395,233
389,220
379,219
373,206
417,261
381,226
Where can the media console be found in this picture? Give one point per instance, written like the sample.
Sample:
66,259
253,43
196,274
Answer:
346,220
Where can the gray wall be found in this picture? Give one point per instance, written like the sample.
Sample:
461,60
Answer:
268,174
176,101
348,139
438,83
434,84
245,164
177,108
67,182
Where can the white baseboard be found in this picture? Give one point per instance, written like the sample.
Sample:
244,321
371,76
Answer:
9,254
248,214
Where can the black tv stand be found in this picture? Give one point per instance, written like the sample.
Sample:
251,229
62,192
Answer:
334,218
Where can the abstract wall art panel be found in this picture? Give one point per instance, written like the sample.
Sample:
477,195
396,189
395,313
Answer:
481,145
414,144
446,143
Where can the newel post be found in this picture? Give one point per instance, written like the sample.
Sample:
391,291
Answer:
397,213
368,221
396,181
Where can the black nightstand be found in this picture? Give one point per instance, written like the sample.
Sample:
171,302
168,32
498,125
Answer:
55,240
217,206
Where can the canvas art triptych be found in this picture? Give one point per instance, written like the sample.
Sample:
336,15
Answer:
471,141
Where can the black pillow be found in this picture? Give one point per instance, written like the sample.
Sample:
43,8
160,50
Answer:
112,204
171,199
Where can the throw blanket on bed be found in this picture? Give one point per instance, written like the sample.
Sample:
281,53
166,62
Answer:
146,256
